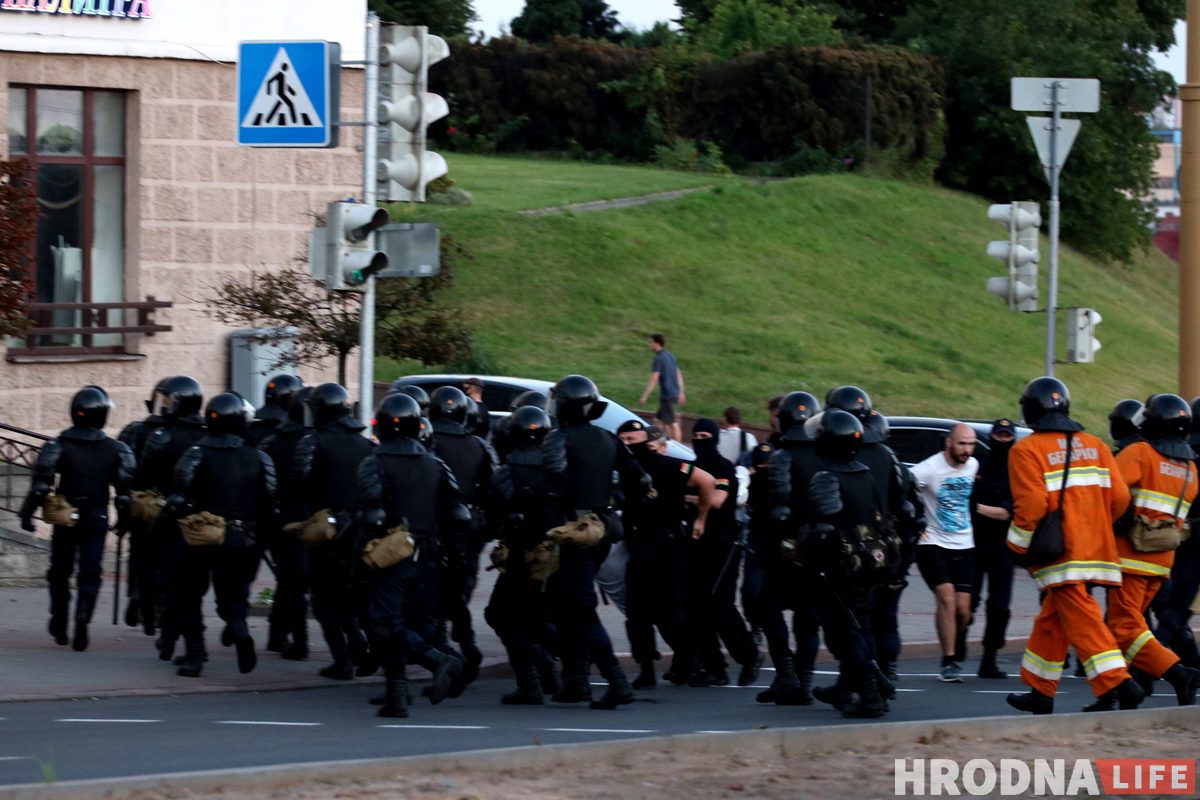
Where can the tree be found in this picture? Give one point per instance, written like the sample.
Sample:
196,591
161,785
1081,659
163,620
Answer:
984,44
446,18
412,324
737,26
542,20
18,227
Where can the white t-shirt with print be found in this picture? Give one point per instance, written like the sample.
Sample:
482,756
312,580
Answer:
946,492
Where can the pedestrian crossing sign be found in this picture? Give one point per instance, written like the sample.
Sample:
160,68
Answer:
288,94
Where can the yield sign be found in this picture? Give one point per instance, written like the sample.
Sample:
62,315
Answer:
1040,128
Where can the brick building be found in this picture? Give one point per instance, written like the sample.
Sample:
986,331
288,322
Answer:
126,109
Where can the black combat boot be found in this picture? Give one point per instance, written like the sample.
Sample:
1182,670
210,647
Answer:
133,613
869,703
342,668
989,669
749,671
547,670
471,654
646,678
395,689
445,668
1032,701
247,659
576,683
1185,680
297,650
58,628
619,692
836,695
529,690
194,657
786,681
83,616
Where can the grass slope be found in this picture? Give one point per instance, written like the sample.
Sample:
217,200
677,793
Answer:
764,289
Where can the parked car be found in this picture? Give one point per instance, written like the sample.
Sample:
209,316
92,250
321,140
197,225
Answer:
500,391
917,438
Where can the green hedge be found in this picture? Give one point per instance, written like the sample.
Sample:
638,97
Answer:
589,97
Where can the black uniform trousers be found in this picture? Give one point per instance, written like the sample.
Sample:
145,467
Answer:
712,614
229,570
845,618
289,611
402,604
517,612
993,563
1173,628
333,600
654,585
85,538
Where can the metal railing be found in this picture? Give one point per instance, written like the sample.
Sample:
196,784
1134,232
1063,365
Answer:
74,327
19,450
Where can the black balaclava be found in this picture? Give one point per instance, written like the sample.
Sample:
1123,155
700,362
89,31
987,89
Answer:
706,447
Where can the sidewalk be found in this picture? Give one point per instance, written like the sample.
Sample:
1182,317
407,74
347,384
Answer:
122,660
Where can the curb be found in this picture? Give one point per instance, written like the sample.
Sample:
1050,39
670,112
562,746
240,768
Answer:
769,742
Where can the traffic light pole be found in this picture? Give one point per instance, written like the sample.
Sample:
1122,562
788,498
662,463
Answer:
1054,169
366,320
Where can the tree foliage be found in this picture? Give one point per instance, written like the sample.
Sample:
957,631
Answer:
738,26
543,20
412,323
18,226
443,17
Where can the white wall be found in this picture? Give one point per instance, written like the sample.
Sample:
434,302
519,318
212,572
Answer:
191,29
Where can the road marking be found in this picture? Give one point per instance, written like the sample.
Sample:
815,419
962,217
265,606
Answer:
15,758
268,722
1007,691
898,689
441,727
107,720
714,731
596,730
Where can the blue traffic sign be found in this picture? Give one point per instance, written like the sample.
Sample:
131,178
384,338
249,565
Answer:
288,94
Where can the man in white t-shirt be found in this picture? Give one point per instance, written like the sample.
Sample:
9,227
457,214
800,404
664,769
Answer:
946,550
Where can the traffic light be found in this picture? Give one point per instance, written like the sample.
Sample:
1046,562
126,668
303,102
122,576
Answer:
349,256
406,109
1019,253
1082,343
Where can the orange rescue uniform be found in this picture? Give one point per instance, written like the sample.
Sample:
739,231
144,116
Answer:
1156,483
1096,494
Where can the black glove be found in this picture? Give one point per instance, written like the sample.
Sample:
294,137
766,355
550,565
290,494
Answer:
124,518
27,524
826,493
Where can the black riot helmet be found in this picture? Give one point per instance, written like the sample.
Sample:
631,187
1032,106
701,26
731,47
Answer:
1165,416
398,416
298,411
182,397
281,389
575,399
531,398
850,399
329,402
839,435
157,395
225,414
530,425
425,436
448,403
413,391
90,407
1121,423
476,417
1043,396
796,408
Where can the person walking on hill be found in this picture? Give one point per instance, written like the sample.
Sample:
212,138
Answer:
665,373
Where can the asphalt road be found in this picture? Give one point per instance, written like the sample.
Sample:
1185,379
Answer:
135,736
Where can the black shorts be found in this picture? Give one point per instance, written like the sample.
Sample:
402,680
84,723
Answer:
940,565
666,410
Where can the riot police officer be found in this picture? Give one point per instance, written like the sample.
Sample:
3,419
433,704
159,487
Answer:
406,491
517,610
324,469
579,461
1122,424
472,462
86,462
222,478
273,413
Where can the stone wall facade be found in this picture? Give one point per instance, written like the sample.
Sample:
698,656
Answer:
199,209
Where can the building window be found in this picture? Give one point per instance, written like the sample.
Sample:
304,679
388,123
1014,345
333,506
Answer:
75,140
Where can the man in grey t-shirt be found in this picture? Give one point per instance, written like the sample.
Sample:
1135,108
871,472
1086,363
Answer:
664,372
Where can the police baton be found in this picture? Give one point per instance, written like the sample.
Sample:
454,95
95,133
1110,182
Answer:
740,543
117,579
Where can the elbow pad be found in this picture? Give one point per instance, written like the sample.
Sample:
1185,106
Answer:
462,513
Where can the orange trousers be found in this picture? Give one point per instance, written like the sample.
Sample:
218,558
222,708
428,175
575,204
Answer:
1127,606
1071,616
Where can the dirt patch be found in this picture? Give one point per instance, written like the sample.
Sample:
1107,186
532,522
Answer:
661,771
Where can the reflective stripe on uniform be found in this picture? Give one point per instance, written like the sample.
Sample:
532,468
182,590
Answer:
1019,536
1069,571
1080,476
1103,662
1144,568
1158,501
1032,662
1134,648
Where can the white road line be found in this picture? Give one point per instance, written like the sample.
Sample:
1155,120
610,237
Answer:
15,758
596,730
107,720
714,731
441,727
268,722
1008,691
898,689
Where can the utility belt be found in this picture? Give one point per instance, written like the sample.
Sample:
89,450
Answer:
1157,536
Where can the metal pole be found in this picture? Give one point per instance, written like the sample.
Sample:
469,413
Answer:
867,121
1189,214
366,322
1052,294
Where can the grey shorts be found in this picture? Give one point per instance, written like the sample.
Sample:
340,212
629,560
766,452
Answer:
666,410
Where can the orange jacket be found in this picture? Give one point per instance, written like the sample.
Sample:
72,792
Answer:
1155,482
1096,495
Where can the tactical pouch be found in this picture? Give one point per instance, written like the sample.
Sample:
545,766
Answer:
587,531
866,555
1156,536
317,529
543,560
147,504
499,557
203,529
57,511
389,550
